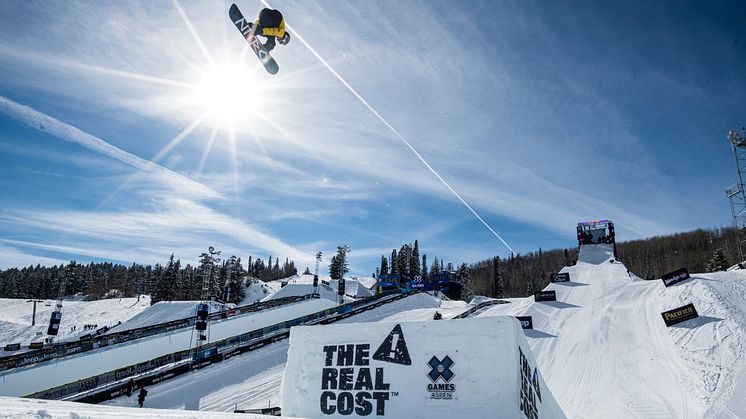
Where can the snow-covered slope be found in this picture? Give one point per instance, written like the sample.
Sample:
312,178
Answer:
15,408
602,347
165,311
353,288
28,380
292,290
303,285
15,317
606,352
256,290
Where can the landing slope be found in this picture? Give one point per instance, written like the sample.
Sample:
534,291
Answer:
606,352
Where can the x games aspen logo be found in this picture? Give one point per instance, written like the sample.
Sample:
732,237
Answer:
440,370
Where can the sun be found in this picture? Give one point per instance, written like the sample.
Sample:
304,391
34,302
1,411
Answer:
229,93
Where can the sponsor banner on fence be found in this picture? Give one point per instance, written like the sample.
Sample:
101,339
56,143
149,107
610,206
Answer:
13,347
526,322
680,314
545,296
560,277
675,277
433,370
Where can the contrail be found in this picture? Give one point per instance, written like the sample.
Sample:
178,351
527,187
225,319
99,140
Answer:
392,129
66,132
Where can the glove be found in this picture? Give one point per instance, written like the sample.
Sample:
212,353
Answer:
285,39
270,44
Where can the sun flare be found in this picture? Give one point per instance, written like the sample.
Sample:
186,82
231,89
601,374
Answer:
229,93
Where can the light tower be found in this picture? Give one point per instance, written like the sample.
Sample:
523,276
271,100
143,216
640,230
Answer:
737,193
316,274
342,252
209,262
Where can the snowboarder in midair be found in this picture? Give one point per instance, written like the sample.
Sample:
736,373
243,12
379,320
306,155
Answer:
271,25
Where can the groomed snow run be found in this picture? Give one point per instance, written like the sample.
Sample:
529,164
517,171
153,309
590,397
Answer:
15,318
24,381
16,408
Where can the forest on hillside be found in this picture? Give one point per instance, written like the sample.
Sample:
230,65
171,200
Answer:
225,278
702,250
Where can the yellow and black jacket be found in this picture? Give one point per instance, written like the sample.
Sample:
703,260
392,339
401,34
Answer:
270,24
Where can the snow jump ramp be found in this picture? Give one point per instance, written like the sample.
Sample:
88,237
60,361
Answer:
467,368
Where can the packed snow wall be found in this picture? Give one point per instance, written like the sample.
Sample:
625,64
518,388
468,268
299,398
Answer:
467,368
596,253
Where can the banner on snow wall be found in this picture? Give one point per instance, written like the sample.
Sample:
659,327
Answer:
466,368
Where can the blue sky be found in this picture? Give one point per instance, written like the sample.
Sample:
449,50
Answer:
120,140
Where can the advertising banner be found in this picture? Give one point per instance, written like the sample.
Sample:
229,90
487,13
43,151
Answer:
545,296
527,322
680,314
467,368
560,277
675,277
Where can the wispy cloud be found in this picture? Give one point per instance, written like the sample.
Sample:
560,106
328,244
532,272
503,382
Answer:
67,132
175,225
12,257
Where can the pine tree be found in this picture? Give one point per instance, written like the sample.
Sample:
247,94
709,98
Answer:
402,261
424,273
338,266
384,266
464,278
235,280
435,268
276,274
498,278
415,260
334,268
156,276
394,264
165,282
719,262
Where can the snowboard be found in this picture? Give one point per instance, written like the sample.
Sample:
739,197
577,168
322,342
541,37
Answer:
246,30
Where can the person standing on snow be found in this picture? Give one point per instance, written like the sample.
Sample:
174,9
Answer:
271,25
141,395
130,387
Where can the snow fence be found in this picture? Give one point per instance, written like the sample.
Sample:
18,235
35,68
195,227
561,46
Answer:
467,368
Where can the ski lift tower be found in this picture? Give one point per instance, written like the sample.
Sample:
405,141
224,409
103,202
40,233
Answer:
736,193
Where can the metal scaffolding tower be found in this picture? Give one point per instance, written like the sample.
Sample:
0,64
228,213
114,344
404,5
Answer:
737,193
